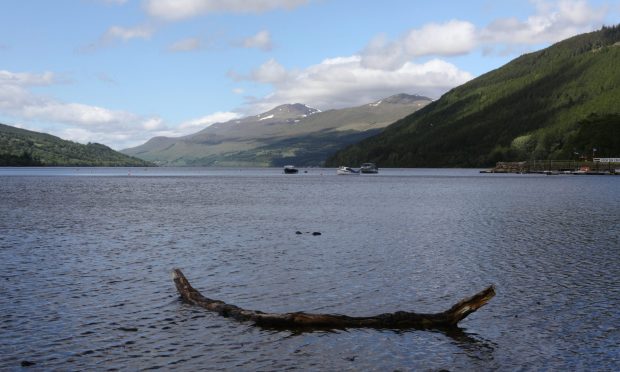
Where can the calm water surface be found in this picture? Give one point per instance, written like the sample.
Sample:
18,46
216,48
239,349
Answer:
86,256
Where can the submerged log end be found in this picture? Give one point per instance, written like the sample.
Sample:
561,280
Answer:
468,305
181,282
189,293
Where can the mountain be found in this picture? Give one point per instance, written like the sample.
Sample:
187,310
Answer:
556,103
25,147
288,134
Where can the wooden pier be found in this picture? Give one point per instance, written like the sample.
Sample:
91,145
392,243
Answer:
553,167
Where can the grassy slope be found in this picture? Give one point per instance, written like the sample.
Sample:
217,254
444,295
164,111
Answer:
306,150
537,106
45,149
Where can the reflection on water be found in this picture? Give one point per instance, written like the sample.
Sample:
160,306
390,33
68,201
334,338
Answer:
86,265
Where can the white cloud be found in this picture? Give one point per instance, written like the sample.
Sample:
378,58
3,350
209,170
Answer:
86,123
73,121
115,2
27,79
175,10
186,45
262,41
82,135
446,39
152,124
381,53
345,81
116,33
552,22
76,113
270,72
193,125
128,33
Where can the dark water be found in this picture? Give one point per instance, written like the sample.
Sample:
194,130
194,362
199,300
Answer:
86,258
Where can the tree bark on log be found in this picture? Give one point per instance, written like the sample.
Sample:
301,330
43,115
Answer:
301,320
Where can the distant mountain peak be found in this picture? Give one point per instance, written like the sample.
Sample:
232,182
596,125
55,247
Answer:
288,111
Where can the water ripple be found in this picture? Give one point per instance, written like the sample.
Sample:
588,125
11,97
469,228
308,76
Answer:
86,270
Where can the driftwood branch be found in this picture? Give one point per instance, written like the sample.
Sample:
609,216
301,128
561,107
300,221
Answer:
399,319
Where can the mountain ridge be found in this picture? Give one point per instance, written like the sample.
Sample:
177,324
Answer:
289,133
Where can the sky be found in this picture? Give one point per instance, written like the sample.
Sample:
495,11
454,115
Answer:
119,72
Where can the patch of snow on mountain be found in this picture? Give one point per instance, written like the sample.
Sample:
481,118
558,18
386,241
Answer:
375,104
266,117
314,110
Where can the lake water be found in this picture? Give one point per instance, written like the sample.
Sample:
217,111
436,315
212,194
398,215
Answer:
86,256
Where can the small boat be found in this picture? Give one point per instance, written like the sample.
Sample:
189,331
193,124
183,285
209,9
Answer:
290,169
346,170
369,168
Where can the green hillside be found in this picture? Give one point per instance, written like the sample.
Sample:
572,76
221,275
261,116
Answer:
20,147
552,104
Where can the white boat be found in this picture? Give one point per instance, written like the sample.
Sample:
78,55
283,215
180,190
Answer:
290,169
369,168
346,170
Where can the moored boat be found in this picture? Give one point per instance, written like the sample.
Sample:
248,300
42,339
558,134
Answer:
369,168
346,170
290,169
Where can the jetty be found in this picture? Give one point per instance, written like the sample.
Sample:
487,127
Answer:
597,166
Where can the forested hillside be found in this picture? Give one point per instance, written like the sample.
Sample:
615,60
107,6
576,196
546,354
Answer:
556,103
20,147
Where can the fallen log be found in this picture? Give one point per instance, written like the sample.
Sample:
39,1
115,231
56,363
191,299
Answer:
301,320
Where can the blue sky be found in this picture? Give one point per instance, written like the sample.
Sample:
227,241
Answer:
120,72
